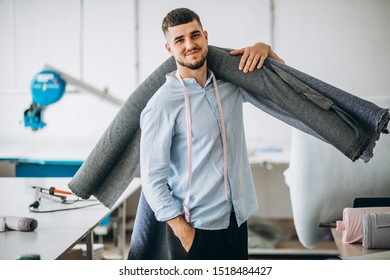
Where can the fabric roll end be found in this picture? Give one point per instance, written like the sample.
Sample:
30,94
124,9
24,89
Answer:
27,224
384,122
79,191
369,145
18,223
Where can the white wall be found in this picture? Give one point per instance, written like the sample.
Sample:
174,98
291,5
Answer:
78,38
218,17
343,42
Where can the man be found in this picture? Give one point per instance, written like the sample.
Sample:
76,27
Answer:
194,166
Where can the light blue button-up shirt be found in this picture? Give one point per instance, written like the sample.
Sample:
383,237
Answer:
164,154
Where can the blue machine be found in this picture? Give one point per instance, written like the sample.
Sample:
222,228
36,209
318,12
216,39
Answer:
47,87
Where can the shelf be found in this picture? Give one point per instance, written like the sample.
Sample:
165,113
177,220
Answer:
356,250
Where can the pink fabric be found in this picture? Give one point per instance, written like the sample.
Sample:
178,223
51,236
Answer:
224,138
187,212
352,224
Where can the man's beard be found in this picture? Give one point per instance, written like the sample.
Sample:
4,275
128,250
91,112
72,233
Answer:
193,66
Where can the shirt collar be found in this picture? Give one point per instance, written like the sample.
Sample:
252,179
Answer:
188,81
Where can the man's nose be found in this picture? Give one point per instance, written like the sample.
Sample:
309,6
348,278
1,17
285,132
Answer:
189,44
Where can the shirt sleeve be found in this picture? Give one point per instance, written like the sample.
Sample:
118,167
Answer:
244,94
157,128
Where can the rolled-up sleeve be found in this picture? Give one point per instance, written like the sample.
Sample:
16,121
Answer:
157,130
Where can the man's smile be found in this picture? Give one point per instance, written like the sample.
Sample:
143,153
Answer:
192,52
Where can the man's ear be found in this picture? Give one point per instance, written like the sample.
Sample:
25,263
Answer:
206,35
168,48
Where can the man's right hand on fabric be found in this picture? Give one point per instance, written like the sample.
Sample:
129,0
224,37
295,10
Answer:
254,56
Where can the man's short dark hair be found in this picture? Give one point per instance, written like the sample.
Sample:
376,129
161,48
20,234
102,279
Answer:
179,16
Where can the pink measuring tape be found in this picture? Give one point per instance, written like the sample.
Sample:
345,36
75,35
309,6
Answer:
189,143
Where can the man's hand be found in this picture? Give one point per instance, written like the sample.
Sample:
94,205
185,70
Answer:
254,56
183,231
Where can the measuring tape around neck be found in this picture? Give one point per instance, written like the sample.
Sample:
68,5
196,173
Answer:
189,143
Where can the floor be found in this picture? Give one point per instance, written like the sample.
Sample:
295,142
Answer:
111,251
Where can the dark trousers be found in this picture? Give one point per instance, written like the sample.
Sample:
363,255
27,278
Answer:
225,244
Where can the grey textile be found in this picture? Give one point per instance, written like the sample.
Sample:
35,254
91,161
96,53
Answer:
18,223
376,231
350,124
148,239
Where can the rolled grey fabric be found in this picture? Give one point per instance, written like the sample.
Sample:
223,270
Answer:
114,161
283,92
372,119
148,236
376,231
20,223
350,124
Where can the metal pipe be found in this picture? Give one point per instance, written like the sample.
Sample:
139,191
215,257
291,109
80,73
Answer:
87,87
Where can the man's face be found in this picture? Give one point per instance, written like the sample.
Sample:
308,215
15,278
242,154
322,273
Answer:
188,44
